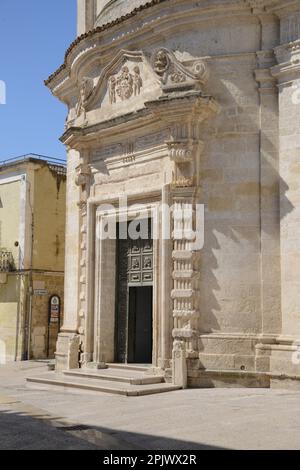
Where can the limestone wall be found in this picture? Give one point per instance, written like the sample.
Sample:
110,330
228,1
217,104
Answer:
248,294
13,307
10,213
49,219
41,332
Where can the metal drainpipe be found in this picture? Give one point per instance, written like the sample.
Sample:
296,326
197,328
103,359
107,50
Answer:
29,319
30,278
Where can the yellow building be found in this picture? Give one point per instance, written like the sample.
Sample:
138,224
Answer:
32,237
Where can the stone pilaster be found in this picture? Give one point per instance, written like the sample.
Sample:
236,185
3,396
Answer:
83,181
269,196
67,348
185,294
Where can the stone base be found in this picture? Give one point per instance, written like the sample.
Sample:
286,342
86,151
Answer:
227,379
246,361
67,352
95,365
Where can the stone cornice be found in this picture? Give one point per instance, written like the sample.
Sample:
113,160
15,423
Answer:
288,58
170,109
90,40
272,5
100,29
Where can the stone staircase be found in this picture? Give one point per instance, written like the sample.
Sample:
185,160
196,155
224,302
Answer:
119,379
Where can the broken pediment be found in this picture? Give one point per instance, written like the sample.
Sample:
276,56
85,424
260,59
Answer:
175,76
124,85
131,79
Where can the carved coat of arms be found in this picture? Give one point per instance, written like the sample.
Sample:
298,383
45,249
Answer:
125,85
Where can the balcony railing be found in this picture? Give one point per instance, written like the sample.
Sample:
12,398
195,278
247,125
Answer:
6,262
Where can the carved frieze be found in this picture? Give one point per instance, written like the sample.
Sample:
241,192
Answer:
152,140
109,151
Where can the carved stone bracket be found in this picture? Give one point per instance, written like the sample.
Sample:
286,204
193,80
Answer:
83,173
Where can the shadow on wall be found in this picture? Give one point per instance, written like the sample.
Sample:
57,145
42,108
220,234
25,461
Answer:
245,200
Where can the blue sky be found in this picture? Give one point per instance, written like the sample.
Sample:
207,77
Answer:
34,35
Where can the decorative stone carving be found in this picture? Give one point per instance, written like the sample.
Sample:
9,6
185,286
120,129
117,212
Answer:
172,73
137,81
125,85
181,151
86,90
161,63
83,207
112,83
179,363
183,182
83,173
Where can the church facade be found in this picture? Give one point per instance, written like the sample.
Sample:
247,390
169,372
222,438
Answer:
183,114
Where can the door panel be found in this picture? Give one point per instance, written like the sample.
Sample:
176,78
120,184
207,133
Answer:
135,271
140,325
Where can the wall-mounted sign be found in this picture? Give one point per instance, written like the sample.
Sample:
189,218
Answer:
54,316
40,292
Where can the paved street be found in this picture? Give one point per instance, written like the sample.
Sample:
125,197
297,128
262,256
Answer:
190,419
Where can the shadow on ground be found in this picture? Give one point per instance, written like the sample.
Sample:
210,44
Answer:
22,432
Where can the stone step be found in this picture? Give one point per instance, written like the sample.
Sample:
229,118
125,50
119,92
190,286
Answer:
53,380
134,367
114,375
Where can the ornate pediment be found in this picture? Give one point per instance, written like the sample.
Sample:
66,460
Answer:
124,85
132,79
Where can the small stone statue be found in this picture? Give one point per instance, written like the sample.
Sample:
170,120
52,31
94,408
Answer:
137,81
112,83
86,90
